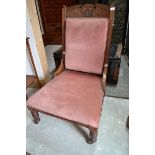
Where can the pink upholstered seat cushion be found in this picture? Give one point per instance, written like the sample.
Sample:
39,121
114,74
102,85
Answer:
85,44
71,95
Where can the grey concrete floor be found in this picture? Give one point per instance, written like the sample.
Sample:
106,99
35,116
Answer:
122,88
53,136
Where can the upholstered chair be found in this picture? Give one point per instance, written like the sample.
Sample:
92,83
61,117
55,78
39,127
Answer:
77,91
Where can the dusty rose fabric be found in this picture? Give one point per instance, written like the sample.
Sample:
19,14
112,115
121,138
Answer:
85,44
71,95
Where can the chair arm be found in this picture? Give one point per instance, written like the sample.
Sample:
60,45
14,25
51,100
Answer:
60,69
104,76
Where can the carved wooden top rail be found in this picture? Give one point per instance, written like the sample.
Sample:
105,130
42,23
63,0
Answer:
88,10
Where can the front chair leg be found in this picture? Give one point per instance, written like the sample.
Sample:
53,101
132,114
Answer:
35,116
92,135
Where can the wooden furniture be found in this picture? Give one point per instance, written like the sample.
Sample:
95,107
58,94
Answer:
76,93
31,78
114,63
127,122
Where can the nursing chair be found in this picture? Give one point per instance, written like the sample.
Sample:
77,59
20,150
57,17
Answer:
77,91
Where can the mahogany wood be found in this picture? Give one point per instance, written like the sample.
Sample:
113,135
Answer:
35,115
127,122
92,131
105,66
88,10
91,10
38,110
92,135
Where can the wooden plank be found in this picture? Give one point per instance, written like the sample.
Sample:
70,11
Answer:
38,37
30,79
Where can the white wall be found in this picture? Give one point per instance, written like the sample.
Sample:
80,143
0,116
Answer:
29,68
29,33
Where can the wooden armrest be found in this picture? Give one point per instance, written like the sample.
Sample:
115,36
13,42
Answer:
61,68
104,76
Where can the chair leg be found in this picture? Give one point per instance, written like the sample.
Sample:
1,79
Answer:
35,116
127,122
26,97
92,135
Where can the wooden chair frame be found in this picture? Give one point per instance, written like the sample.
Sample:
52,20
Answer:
87,10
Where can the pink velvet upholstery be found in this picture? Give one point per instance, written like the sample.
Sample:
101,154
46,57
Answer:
71,95
85,44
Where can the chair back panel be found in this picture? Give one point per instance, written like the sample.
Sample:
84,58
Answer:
85,44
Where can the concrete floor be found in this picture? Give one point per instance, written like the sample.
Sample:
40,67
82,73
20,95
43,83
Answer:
122,88
53,136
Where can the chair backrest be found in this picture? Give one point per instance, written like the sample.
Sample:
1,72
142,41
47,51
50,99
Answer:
86,37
